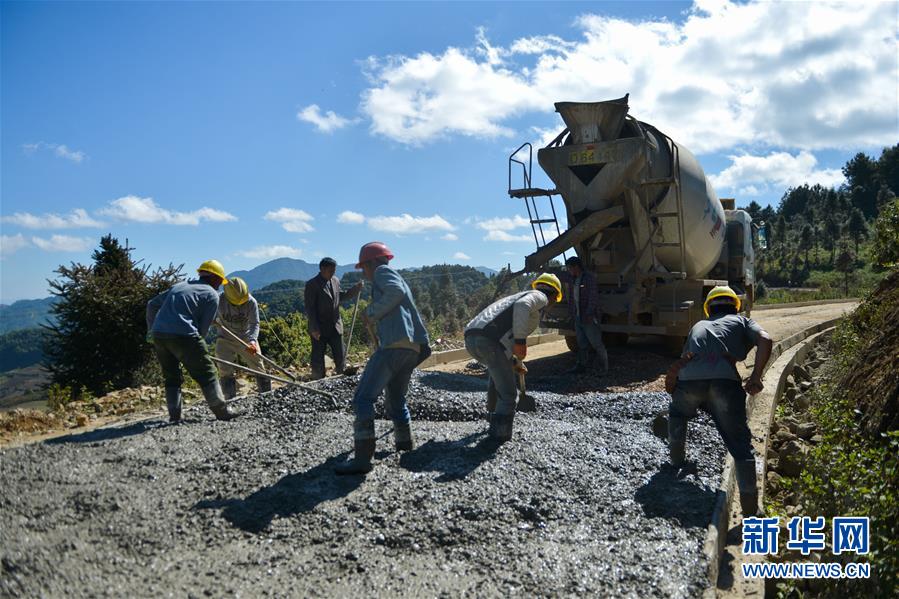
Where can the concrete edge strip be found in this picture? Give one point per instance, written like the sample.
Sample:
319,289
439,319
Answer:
454,355
763,307
716,533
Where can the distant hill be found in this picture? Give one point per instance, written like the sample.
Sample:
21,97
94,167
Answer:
282,269
25,314
486,271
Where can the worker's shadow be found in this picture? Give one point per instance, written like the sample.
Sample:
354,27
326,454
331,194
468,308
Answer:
108,434
668,495
293,494
454,459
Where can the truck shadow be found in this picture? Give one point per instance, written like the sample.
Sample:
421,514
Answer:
454,459
667,496
293,494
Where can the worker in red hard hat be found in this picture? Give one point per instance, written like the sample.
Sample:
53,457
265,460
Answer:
402,345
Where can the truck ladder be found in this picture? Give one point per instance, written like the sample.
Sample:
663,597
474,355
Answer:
530,195
653,213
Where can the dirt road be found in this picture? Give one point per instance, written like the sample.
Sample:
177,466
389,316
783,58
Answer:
579,503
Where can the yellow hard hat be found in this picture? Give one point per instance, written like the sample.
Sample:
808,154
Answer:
237,292
215,267
720,291
551,280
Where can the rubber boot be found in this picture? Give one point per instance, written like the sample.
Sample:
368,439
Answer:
581,366
263,384
363,449
173,402
402,436
749,494
601,363
216,400
491,397
677,440
229,387
500,427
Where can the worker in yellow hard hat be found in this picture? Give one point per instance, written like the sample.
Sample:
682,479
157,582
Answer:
497,338
177,321
706,378
238,336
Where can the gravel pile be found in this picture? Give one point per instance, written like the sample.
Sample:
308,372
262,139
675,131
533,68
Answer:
577,503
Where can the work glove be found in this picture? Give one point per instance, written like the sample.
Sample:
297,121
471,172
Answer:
671,375
254,347
520,350
316,335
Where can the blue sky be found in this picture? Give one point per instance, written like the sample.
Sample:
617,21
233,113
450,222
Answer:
249,131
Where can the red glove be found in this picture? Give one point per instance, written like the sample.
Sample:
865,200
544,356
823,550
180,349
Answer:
520,350
674,370
254,347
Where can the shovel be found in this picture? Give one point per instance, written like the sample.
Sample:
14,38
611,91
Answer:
526,402
350,370
277,378
249,347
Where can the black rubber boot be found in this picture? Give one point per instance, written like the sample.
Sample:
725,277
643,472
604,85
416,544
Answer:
216,400
677,440
229,387
263,384
491,397
746,483
501,427
173,403
363,449
402,436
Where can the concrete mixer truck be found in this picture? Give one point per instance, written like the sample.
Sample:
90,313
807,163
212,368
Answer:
642,217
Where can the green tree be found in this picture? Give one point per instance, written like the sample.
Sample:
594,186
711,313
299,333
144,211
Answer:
862,182
846,265
857,227
781,233
885,251
806,238
98,339
888,168
831,235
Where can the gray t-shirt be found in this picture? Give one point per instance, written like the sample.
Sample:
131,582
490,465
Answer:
718,344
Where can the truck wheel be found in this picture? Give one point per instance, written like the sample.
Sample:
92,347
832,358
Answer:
614,339
571,342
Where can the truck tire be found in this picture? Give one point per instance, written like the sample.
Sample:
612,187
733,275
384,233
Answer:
571,342
614,339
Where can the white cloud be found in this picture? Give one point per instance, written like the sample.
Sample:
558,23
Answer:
503,223
784,74
10,244
461,256
269,252
292,219
78,218
324,122
60,150
497,235
63,243
752,175
449,237
350,217
406,223
145,210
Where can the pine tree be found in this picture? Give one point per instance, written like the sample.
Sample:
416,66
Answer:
98,341
857,227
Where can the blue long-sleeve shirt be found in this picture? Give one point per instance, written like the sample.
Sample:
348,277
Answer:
185,310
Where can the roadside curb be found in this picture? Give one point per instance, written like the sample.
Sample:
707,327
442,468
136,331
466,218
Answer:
454,355
775,377
763,307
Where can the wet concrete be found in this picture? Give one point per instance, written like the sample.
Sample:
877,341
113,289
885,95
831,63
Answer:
577,503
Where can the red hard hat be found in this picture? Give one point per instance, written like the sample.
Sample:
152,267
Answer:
372,250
